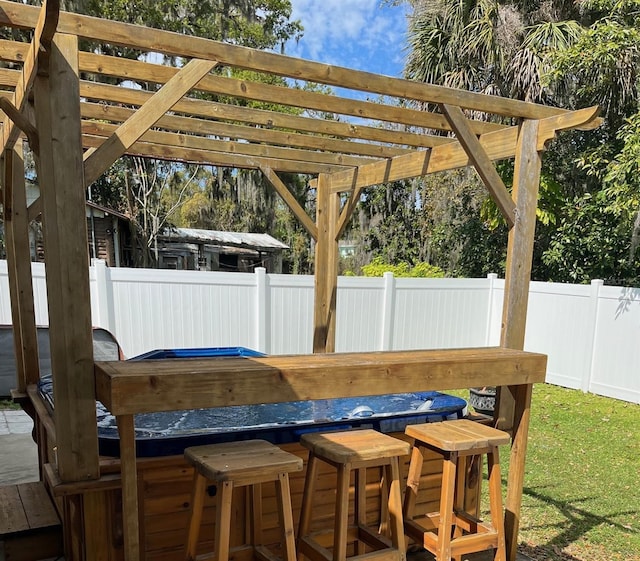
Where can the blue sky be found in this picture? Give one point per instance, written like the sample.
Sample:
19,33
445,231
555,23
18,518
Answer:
358,34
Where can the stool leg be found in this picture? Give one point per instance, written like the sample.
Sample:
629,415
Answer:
341,514
360,504
446,506
495,502
223,520
392,475
383,529
285,515
413,481
307,495
195,516
256,514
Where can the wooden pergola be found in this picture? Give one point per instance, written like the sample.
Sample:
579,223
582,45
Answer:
78,127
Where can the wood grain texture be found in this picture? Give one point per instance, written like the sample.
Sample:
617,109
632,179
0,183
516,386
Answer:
60,176
135,387
143,119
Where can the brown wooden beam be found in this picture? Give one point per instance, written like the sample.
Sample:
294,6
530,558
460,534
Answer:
481,161
16,226
174,44
255,117
45,26
223,159
513,406
141,121
57,104
226,146
497,145
256,91
291,202
326,268
212,128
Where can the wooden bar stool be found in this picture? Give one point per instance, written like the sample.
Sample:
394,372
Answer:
451,532
238,464
354,450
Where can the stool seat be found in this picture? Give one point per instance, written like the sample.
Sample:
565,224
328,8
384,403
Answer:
251,460
238,464
452,532
460,436
354,446
347,451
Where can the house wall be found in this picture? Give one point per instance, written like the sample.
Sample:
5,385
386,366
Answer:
589,332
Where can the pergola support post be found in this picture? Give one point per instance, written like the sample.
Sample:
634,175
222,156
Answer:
514,402
61,179
16,223
326,268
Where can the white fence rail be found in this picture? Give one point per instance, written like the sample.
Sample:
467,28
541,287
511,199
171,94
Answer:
591,333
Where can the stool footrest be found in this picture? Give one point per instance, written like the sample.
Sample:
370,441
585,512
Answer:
473,542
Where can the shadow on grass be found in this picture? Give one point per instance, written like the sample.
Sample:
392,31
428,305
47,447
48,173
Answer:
579,521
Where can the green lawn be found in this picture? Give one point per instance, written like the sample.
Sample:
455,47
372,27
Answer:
582,486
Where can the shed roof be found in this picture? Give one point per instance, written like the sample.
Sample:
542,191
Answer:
261,242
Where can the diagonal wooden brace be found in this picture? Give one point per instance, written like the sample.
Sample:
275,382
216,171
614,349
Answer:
97,162
481,161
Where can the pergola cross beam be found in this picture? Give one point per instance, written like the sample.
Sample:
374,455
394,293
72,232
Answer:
141,121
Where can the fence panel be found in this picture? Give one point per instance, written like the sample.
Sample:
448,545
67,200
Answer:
559,324
590,333
616,351
440,313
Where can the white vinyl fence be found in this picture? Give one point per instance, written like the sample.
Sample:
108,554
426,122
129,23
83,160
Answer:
591,333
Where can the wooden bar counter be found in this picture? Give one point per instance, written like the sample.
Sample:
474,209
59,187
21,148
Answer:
129,387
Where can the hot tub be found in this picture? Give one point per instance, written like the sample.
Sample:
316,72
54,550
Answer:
165,479
169,433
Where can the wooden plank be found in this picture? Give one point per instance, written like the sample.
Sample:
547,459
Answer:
19,269
45,26
245,89
12,516
117,33
239,148
145,118
269,119
325,275
483,164
208,127
513,406
291,202
134,387
515,481
60,175
130,521
498,145
519,255
223,159
37,505
264,118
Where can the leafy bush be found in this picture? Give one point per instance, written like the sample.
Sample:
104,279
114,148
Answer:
403,269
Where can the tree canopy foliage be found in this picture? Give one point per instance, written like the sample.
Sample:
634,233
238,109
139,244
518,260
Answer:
557,52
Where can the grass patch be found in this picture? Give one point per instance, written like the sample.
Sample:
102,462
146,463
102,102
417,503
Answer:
581,498
8,404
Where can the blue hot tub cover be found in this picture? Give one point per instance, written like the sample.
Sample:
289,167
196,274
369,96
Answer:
170,432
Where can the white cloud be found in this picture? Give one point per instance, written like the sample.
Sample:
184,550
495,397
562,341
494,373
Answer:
354,33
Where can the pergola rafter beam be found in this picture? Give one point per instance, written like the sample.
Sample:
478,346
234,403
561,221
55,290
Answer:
141,121
174,44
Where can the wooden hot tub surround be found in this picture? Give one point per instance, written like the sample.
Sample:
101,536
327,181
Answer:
127,388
